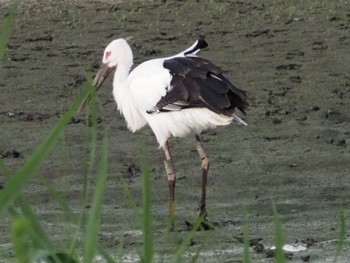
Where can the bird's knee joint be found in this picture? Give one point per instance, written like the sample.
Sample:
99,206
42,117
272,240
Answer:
169,168
205,162
201,152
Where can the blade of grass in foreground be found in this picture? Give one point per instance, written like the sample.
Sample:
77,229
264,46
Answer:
91,234
73,218
196,256
39,236
91,120
7,196
6,29
147,256
185,243
280,258
342,231
21,239
17,182
246,254
26,229
26,225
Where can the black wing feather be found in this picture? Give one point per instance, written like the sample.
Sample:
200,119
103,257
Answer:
196,82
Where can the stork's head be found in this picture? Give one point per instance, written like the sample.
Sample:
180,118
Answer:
117,54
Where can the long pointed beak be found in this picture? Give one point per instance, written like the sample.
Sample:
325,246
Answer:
100,77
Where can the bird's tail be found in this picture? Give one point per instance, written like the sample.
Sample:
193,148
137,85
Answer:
239,121
195,48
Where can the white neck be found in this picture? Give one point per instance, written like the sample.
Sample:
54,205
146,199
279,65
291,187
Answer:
120,85
121,73
124,97
125,61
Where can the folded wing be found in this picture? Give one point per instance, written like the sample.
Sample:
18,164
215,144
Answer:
196,82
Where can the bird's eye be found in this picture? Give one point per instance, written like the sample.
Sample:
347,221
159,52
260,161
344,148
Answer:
108,54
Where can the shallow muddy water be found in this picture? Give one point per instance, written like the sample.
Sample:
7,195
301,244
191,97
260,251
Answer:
293,59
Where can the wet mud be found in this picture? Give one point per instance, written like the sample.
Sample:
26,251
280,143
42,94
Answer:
291,57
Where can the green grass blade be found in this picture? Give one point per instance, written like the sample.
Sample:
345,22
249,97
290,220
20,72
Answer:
16,184
91,120
105,254
73,218
70,215
39,235
6,30
130,198
147,215
55,195
21,239
187,241
66,209
27,229
246,252
342,233
195,257
91,234
41,240
280,258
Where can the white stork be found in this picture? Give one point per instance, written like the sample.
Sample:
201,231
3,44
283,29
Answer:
176,96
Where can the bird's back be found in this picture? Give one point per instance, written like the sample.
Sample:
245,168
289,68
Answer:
196,82
183,94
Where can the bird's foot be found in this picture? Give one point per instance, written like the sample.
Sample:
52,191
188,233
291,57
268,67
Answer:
171,224
201,224
206,225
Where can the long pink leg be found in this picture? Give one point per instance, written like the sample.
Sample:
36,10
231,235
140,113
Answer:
169,168
205,168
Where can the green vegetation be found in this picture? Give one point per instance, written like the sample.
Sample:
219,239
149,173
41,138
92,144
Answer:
278,236
31,241
6,29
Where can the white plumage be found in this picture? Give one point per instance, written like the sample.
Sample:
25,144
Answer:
176,96
138,92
